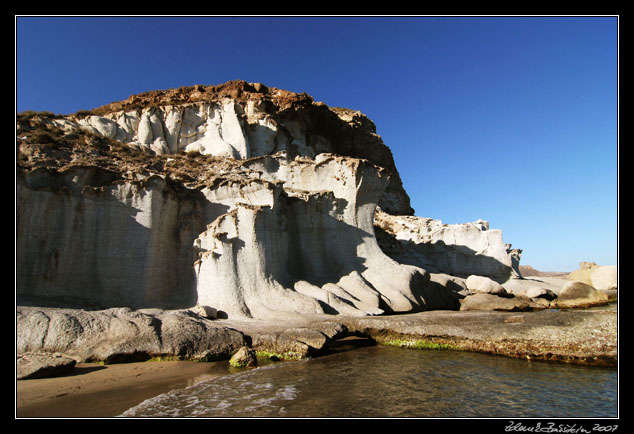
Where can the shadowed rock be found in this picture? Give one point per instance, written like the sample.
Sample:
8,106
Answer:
43,365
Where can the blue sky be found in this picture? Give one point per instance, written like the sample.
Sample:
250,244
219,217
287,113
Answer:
507,119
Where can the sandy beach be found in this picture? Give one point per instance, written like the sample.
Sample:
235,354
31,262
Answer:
95,391
106,391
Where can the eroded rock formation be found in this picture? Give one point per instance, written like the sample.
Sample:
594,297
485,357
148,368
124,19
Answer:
255,201
460,250
307,247
242,120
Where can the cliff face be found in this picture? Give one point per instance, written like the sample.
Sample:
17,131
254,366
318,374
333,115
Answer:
242,120
255,201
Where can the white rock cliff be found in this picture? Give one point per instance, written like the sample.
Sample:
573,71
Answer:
255,201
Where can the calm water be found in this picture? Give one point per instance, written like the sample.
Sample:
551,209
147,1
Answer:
379,381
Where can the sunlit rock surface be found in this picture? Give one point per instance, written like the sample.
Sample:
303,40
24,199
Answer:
251,201
460,249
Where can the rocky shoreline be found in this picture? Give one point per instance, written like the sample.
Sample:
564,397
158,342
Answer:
50,342
576,336
585,337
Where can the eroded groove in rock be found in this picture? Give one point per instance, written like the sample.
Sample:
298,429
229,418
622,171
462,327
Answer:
308,251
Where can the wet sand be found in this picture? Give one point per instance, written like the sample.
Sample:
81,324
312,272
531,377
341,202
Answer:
106,391
96,391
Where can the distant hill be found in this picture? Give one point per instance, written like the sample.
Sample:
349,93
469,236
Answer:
528,271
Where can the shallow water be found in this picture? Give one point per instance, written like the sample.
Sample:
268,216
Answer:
380,381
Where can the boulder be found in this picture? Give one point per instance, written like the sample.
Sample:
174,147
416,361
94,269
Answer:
583,273
605,278
124,335
294,342
484,301
41,365
582,276
579,294
315,339
540,292
484,285
331,329
205,311
536,283
243,358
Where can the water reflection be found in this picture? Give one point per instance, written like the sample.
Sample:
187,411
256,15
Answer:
383,381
